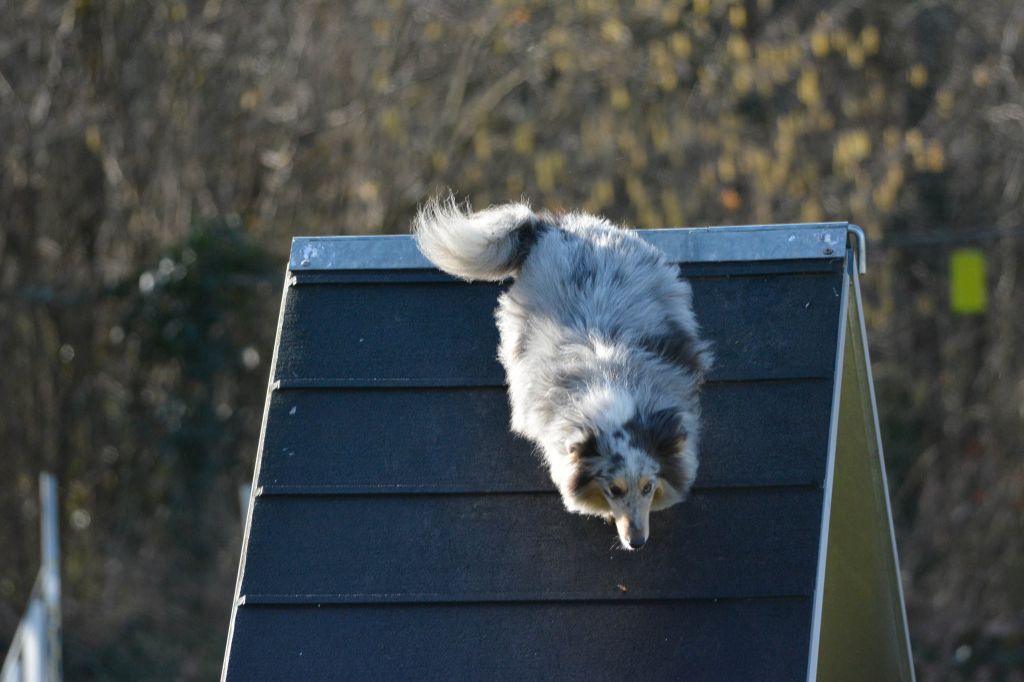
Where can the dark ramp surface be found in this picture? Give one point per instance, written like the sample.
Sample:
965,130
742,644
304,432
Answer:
399,531
748,640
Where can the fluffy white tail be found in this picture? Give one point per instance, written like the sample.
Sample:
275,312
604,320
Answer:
482,245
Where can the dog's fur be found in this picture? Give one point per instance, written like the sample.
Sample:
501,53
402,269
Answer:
601,347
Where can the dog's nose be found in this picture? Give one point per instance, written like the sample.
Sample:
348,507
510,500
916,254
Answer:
637,543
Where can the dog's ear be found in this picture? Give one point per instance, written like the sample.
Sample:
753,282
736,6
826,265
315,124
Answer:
585,448
585,455
584,487
581,478
666,495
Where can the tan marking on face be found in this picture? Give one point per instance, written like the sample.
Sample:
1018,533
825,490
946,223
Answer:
593,498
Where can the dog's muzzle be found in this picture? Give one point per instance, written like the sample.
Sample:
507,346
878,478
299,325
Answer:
632,536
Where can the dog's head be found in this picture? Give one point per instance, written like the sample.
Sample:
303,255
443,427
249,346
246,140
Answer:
628,471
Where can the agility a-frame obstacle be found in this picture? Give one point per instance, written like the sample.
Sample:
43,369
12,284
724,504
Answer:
397,529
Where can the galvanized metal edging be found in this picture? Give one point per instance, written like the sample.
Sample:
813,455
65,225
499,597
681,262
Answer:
862,246
799,241
826,498
254,489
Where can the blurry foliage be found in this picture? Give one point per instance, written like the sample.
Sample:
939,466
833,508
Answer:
153,152
157,406
190,322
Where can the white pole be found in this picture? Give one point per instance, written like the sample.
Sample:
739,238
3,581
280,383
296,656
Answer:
33,643
35,652
11,671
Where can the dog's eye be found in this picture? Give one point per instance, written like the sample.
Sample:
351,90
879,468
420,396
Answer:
616,491
648,488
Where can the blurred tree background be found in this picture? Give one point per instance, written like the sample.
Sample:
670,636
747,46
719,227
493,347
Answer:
156,157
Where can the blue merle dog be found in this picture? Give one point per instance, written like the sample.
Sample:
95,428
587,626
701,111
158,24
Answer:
602,351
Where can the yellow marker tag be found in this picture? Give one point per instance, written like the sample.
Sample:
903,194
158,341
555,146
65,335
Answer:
968,291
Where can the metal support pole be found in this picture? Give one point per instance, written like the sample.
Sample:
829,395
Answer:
35,651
